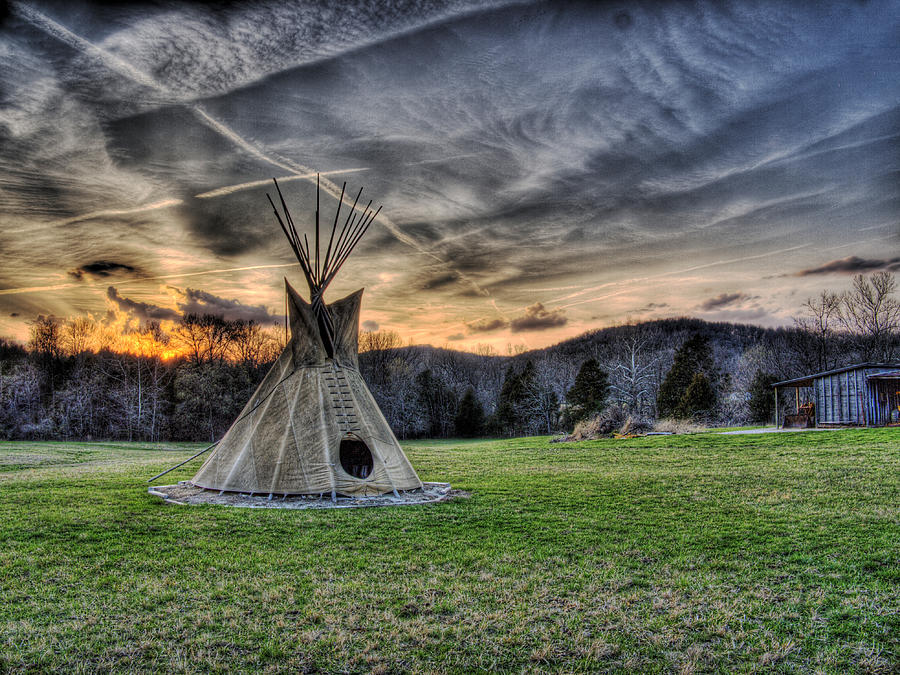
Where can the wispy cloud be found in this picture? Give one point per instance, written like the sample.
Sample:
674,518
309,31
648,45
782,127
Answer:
574,155
125,69
163,277
109,213
684,270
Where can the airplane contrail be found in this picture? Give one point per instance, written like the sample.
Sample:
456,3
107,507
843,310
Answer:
443,159
60,32
124,68
229,189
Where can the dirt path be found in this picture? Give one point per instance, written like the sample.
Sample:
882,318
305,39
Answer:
773,430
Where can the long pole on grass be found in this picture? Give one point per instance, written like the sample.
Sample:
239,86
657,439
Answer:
159,475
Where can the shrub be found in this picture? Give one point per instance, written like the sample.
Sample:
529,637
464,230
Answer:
600,425
635,424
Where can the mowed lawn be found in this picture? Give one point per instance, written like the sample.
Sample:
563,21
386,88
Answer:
776,552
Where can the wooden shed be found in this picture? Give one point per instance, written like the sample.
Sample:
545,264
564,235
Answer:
865,394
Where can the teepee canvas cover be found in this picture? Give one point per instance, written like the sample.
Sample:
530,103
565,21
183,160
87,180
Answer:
312,426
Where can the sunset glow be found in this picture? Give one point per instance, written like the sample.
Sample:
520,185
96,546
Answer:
545,168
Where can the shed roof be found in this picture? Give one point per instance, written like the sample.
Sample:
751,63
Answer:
890,375
807,380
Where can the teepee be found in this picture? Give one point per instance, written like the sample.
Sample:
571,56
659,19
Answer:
312,426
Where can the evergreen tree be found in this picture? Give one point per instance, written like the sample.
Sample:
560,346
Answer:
469,420
762,397
511,394
588,395
694,356
699,399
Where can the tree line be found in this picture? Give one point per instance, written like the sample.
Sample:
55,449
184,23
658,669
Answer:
78,379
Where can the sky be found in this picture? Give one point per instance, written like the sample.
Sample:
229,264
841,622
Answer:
545,168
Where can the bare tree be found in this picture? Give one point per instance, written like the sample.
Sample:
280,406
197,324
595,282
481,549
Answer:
138,379
379,340
871,313
515,349
399,401
45,344
377,348
78,405
153,341
77,335
46,337
483,349
206,337
250,344
821,315
539,404
633,375
20,402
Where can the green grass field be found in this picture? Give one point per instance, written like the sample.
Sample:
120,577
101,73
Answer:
683,553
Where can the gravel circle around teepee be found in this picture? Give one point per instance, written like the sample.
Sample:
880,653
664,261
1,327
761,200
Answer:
185,493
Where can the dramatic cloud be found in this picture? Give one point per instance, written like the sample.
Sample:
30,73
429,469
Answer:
142,311
456,337
537,317
723,300
101,269
852,265
370,326
194,301
486,325
580,155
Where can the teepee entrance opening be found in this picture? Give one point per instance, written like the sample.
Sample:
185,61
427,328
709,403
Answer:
356,458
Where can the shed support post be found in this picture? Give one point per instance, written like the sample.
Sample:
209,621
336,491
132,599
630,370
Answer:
776,407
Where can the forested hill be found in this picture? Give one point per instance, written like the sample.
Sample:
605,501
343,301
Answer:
51,390
725,336
636,358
